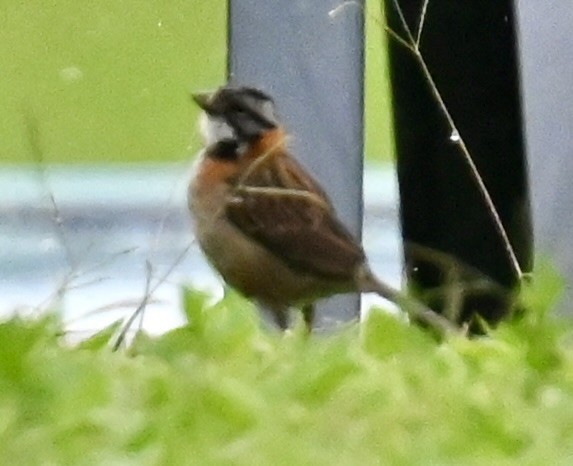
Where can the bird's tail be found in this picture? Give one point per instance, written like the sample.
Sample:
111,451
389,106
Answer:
417,311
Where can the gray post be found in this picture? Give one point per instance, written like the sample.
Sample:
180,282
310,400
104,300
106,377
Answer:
312,64
547,74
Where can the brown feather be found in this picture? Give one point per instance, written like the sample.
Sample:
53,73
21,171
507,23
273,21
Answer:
284,209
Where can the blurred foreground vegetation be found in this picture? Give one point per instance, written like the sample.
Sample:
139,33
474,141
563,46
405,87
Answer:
222,391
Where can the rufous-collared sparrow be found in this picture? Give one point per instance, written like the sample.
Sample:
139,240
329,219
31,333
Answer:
264,223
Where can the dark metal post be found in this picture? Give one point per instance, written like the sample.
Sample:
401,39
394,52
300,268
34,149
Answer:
450,237
312,63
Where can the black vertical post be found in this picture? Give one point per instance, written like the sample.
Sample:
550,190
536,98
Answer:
449,234
311,62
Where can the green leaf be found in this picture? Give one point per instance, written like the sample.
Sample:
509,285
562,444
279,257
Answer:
101,339
385,335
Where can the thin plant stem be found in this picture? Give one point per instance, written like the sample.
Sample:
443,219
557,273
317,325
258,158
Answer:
33,133
413,46
139,310
421,22
148,293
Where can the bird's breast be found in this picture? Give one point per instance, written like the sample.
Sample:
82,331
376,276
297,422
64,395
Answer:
242,261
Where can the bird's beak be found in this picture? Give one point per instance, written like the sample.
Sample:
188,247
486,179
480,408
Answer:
203,99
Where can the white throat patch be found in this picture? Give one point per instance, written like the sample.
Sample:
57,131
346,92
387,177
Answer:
214,129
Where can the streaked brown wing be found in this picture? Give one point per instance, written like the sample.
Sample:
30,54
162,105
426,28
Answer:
287,212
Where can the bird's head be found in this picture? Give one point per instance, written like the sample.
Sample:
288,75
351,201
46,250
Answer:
241,114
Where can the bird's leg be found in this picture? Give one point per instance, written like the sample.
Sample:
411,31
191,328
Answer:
275,316
280,317
308,316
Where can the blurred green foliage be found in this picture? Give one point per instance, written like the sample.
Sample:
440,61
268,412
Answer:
379,137
108,81
222,391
